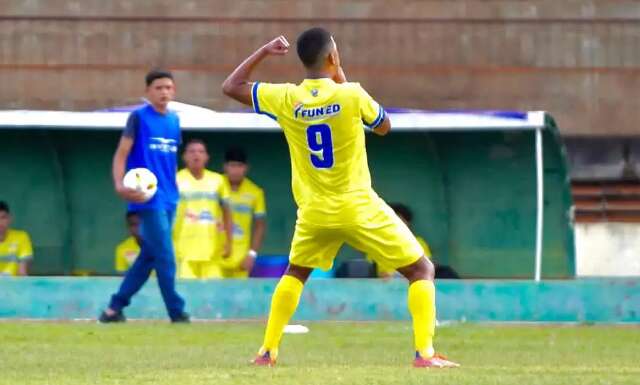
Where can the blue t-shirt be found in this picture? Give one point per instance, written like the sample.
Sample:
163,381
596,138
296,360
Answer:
156,138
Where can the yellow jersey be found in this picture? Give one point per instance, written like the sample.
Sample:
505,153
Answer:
324,124
246,203
126,253
15,249
199,216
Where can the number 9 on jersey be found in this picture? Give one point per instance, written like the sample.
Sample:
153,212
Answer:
320,145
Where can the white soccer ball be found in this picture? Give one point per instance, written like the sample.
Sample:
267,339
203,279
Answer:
141,179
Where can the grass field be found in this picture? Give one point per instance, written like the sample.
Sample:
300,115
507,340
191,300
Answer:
332,353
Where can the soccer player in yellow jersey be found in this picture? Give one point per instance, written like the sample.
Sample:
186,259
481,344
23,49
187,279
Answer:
323,119
128,250
15,246
201,215
248,211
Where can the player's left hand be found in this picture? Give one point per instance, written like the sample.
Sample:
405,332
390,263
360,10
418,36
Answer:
226,253
277,46
340,77
247,263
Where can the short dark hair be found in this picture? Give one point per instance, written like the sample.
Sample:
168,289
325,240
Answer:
157,74
4,206
235,154
311,44
195,141
402,211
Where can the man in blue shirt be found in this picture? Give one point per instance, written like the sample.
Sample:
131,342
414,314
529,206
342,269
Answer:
151,140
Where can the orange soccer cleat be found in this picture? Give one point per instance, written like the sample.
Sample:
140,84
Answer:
437,361
264,359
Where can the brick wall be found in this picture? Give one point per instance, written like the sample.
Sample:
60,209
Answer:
580,60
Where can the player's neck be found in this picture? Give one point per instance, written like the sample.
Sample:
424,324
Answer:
161,109
321,74
235,186
3,235
198,174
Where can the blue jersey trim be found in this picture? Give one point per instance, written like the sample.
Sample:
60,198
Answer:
254,97
259,216
378,120
256,105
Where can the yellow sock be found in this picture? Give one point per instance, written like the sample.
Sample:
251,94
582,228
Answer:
283,304
422,306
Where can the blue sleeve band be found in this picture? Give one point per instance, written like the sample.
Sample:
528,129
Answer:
254,97
378,120
256,105
381,115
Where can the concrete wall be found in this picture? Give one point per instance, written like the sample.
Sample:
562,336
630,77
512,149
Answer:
580,60
335,299
607,249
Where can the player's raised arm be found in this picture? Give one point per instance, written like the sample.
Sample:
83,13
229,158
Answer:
237,85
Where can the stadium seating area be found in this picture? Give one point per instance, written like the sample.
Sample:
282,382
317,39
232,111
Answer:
605,174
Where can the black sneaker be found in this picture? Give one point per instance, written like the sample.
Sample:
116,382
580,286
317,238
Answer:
108,319
183,318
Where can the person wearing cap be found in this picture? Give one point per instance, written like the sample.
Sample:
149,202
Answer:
248,211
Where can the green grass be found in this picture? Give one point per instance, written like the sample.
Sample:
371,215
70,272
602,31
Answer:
332,353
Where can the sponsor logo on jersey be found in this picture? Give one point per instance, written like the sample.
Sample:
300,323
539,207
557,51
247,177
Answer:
315,113
202,217
163,144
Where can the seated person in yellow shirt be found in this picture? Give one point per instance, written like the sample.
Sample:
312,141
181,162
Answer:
248,211
15,246
128,250
407,216
202,215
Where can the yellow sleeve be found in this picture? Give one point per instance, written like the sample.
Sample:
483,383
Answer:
372,113
223,192
260,209
268,98
25,250
121,261
425,247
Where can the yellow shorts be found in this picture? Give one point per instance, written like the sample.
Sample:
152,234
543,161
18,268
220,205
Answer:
379,232
235,273
231,266
199,269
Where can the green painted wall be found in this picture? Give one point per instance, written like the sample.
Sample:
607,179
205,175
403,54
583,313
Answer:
590,300
473,195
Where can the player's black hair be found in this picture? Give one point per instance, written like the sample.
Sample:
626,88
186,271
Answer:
195,141
402,211
235,154
311,46
4,206
157,74
131,213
